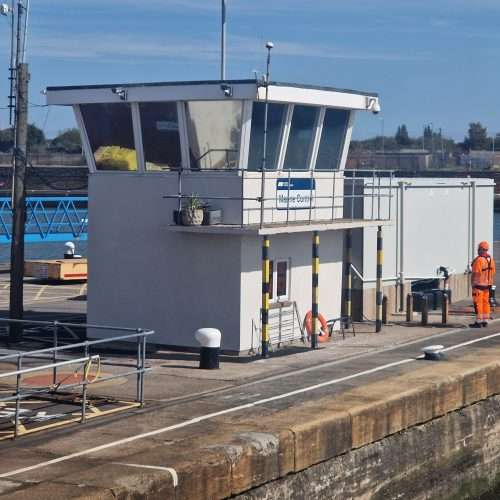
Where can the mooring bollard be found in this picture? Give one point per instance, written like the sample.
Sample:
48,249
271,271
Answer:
425,310
409,308
385,302
445,309
209,340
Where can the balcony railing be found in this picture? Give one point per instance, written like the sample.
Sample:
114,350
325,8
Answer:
256,198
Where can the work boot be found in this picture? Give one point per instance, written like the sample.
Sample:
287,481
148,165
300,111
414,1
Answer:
484,324
475,325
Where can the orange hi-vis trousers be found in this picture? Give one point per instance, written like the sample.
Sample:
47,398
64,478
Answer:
481,300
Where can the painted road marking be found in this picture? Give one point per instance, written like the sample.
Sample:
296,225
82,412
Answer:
227,411
39,293
170,470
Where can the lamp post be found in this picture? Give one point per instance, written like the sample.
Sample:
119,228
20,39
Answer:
382,133
223,41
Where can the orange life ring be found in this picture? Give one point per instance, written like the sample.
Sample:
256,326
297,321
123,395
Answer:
323,333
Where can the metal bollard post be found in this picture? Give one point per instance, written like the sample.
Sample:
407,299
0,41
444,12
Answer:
425,311
445,309
385,302
409,308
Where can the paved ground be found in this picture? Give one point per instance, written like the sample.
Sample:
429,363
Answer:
180,398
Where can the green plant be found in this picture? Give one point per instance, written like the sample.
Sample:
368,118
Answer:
193,203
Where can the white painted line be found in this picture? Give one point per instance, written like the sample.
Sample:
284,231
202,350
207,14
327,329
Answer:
39,293
170,470
227,411
201,418
470,342
83,289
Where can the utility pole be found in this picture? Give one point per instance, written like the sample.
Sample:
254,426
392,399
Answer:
19,79
19,202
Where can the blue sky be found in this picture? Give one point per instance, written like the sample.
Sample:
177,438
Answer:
430,61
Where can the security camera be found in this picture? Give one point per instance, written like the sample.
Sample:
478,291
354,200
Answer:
269,45
120,92
227,89
373,105
4,9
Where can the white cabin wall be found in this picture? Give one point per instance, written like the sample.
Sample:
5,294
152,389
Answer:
298,248
142,274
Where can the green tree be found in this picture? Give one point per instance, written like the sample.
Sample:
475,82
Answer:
477,137
36,137
6,140
402,137
67,141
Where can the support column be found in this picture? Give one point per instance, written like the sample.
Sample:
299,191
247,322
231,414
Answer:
265,297
315,289
348,279
380,260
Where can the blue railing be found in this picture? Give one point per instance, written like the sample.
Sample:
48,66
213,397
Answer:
48,218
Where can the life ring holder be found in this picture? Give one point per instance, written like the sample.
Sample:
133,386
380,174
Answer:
323,334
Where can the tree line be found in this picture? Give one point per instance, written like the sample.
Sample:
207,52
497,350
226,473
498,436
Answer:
67,141
477,138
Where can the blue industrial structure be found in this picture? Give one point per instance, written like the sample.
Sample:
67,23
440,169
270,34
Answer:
48,218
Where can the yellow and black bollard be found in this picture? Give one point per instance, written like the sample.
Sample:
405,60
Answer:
348,279
265,297
315,290
378,295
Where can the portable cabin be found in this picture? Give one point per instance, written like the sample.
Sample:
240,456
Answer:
153,148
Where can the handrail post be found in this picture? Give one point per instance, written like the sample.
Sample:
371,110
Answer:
138,367
333,196
54,353
18,395
84,382
143,364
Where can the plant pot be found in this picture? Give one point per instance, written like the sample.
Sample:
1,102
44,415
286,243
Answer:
192,217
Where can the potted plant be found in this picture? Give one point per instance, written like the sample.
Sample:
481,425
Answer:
192,211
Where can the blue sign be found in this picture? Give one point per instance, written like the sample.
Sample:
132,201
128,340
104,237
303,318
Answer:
295,193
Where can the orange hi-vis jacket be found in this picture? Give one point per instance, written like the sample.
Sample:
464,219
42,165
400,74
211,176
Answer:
483,272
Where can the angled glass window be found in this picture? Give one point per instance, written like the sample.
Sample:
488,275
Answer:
301,137
332,139
111,135
160,135
275,120
214,132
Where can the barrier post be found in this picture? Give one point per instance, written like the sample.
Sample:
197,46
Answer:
315,289
425,311
348,280
378,295
409,308
385,302
265,297
445,309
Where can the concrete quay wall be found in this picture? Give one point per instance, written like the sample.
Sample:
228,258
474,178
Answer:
431,432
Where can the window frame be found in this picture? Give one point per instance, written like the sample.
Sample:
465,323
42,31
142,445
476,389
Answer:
273,294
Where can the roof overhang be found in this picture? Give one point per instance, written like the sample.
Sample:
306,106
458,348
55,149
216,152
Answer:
211,91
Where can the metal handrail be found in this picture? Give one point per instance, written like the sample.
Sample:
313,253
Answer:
19,394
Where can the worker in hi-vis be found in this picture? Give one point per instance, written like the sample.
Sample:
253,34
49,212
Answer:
482,279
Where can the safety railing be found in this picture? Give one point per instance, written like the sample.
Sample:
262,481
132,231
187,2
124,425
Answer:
270,197
57,354
47,218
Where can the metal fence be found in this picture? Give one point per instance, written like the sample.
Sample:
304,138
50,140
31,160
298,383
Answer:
47,218
85,360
